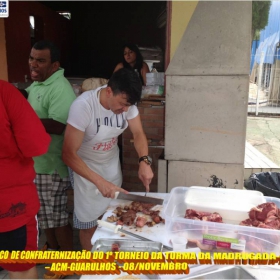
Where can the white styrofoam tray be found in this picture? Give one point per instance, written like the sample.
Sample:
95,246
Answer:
232,204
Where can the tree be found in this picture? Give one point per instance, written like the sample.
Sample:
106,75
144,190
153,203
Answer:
260,12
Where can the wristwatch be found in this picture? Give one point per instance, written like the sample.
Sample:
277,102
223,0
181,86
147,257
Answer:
146,159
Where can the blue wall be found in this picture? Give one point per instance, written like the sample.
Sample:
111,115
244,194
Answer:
255,45
269,36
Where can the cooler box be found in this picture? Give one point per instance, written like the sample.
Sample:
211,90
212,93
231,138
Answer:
233,205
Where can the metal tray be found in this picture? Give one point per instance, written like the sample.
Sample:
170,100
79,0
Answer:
222,272
127,245
117,277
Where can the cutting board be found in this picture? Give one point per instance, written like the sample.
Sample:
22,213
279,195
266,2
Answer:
155,233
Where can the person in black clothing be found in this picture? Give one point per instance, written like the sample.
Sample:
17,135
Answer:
133,59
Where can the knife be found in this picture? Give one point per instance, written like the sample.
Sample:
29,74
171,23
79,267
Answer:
139,198
119,228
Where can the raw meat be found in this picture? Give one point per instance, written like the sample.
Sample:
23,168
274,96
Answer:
139,206
127,215
115,247
203,216
214,217
118,211
140,221
265,215
263,211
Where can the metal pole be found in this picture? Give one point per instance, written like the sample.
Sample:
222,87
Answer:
271,81
259,82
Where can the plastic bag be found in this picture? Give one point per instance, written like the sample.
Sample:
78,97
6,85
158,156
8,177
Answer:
152,90
266,182
156,78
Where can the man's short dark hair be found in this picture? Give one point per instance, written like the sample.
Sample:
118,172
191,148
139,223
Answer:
54,51
126,81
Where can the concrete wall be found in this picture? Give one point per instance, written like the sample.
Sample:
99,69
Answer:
207,85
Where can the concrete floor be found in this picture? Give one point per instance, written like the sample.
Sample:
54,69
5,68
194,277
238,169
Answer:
264,134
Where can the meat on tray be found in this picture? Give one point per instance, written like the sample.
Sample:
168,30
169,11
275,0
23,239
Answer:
128,215
115,247
203,216
265,215
141,221
139,206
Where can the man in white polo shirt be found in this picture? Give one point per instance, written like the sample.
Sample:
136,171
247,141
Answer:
96,119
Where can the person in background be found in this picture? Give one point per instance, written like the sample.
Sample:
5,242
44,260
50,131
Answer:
96,119
22,137
133,59
51,96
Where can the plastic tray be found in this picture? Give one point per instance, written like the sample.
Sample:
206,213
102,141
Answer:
127,245
233,206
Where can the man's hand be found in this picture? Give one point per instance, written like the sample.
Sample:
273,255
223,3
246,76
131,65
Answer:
145,174
108,189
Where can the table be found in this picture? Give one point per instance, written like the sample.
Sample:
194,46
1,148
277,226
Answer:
158,233
155,233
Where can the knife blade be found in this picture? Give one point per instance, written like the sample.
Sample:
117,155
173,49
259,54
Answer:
134,197
119,228
139,198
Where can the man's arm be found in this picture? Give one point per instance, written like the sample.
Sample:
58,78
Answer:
145,172
58,104
72,141
53,127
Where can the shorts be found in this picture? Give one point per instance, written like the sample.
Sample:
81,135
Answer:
71,176
53,199
83,225
24,238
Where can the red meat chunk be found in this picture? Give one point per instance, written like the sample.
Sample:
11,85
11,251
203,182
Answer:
115,247
128,217
262,211
265,215
204,216
141,221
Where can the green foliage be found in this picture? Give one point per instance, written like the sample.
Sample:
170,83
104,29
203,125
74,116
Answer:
260,13
257,35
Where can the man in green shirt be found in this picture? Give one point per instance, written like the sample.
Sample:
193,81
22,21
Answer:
51,96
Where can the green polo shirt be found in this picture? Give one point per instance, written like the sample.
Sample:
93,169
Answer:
52,99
